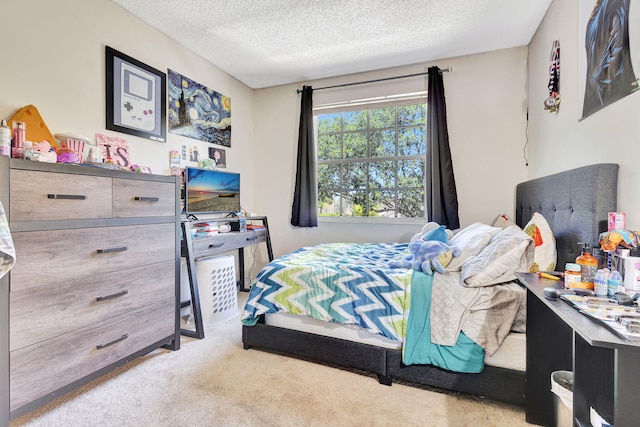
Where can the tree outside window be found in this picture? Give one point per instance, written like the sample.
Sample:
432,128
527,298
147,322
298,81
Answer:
371,161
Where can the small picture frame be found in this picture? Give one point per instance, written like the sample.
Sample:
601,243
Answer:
136,97
219,156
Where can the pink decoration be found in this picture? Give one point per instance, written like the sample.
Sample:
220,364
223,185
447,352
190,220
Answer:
114,148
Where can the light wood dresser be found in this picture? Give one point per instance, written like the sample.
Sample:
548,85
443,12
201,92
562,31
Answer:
96,281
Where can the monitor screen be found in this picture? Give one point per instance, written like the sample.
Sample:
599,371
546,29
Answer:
211,191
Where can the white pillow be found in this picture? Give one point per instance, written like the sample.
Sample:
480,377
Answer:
509,251
544,255
470,240
503,221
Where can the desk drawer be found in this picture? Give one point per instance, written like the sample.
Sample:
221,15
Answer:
223,242
49,196
42,368
137,198
56,256
48,311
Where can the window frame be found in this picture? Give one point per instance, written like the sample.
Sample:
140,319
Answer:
368,105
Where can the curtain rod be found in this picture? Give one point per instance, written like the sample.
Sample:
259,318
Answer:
444,70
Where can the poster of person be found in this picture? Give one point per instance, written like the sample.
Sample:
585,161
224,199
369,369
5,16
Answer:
197,112
219,156
608,59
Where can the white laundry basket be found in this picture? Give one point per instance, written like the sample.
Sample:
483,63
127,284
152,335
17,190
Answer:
217,289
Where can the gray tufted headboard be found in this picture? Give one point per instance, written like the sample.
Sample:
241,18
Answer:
575,203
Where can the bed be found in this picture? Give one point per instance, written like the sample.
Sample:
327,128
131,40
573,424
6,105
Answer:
574,205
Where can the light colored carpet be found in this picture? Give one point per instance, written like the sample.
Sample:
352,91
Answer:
215,382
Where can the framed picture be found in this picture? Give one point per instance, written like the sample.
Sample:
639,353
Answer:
198,112
219,156
136,97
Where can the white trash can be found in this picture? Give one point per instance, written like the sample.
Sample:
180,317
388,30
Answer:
562,388
217,289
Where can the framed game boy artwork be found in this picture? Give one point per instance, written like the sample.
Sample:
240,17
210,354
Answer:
136,97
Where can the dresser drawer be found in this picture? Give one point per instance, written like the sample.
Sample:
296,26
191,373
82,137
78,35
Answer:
138,198
45,367
223,242
49,196
47,258
48,311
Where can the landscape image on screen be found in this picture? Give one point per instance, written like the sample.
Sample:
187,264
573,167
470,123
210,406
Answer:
212,191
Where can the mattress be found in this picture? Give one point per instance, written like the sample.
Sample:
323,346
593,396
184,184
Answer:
510,355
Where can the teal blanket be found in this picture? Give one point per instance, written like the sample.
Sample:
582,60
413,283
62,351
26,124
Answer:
465,356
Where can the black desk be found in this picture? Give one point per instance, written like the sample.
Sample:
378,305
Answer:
194,248
606,367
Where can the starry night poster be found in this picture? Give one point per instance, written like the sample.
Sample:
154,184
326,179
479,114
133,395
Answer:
197,112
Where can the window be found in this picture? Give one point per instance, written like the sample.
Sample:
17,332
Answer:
371,158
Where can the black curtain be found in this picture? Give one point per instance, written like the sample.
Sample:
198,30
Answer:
304,211
442,199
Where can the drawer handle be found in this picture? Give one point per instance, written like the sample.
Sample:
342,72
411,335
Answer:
116,295
67,196
216,245
106,251
117,340
147,199
251,238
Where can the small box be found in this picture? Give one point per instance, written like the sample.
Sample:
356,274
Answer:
240,225
617,221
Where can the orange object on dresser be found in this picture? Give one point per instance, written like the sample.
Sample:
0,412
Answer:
37,130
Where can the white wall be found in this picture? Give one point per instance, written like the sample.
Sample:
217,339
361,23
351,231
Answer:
486,108
559,141
54,58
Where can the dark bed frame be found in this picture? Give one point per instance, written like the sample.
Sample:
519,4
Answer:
575,204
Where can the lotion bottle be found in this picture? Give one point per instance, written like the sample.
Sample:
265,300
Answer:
588,265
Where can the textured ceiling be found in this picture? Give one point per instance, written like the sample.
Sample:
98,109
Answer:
266,43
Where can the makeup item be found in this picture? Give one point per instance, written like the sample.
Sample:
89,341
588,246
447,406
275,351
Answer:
5,139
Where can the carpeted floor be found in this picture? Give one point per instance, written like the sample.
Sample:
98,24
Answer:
214,382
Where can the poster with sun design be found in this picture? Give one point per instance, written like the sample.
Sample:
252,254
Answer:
197,112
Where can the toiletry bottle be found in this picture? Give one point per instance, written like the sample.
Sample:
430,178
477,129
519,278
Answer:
600,284
5,139
614,283
28,150
636,277
572,275
588,265
19,132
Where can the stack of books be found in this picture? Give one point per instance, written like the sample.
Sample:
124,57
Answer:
255,227
204,228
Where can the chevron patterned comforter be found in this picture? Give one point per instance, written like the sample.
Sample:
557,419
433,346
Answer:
352,284
336,282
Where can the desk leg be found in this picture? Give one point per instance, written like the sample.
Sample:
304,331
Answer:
241,273
549,348
593,383
627,379
193,284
